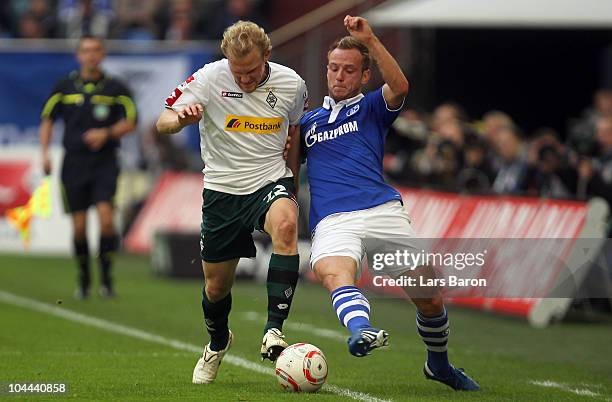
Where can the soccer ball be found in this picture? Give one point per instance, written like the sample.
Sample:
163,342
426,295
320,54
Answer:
301,368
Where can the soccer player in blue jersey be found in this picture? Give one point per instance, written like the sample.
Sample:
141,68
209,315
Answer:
350,201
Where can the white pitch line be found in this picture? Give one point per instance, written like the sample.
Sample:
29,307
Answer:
295,326
105,325
567,388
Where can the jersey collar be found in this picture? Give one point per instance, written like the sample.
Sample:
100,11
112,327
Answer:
329,103
336,107
268,72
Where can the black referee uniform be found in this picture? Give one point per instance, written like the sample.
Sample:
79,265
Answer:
88,176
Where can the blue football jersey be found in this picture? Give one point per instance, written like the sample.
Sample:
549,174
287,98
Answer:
344,147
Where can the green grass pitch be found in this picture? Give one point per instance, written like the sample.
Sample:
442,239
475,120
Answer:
143,344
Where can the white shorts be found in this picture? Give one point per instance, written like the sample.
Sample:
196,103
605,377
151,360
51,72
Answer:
381,229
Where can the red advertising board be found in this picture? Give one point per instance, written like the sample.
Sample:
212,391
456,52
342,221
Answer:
437,215
14,188
174,205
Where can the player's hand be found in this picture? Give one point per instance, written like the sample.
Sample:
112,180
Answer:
46,164
95,138
287,147
358,28
190,114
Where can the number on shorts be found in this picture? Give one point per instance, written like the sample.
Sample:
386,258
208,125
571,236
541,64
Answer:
278,190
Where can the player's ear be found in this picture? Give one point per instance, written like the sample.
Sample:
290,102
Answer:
267,54
365,76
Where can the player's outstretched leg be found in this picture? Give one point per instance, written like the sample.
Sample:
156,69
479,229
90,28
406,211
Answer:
283,275
434,331
353,311
216,318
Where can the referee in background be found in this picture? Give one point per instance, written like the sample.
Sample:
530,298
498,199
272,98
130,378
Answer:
97,111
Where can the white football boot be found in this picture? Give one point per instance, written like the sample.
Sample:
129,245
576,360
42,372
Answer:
273,344
207,366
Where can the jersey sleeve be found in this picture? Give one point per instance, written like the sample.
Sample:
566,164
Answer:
195,89
126,104
378,105
52,108
300,105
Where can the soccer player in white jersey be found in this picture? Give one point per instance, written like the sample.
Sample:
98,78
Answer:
245,105
350,202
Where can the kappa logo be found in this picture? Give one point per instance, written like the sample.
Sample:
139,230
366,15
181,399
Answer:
353,110
252,124
229,94
178,91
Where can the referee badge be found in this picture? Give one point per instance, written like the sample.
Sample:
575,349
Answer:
101,112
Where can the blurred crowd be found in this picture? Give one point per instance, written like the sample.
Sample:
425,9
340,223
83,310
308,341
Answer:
445,150
126,19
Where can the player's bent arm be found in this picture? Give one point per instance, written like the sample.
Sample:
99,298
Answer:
171,122
396,84
168,122
293,155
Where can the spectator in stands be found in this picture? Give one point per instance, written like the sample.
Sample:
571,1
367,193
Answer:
597,174
30,19
136,19
492,122
447,111
440,160
510,178
45,13
476,175
86,17
30,27
5,20
408,133
581,135
177,24
552,166
229,12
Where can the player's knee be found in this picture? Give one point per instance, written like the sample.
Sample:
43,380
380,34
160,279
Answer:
329,282
216,292
285,233
432,306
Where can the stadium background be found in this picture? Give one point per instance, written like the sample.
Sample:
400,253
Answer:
550,78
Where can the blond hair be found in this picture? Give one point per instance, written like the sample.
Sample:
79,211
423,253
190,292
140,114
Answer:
243,36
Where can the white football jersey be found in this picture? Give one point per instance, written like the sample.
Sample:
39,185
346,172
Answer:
243,135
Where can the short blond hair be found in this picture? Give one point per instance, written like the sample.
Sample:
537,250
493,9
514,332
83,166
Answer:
243,36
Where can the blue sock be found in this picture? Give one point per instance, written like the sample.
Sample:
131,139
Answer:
434,332
352,308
